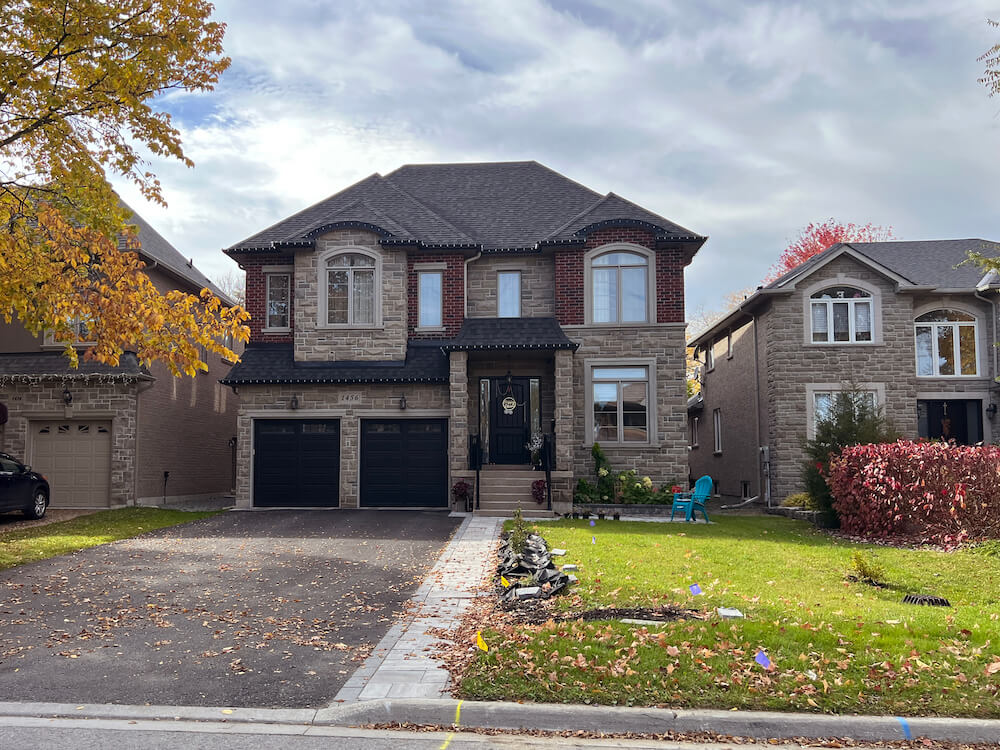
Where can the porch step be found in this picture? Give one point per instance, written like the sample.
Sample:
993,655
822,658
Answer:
511,504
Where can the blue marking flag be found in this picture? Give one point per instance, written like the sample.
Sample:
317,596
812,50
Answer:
761,658
593,540
695,589
593,522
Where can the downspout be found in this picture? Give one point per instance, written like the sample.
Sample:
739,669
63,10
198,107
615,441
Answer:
993,376
465,283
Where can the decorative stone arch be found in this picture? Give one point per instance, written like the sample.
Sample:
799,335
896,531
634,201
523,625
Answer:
848,281
322,261
588,280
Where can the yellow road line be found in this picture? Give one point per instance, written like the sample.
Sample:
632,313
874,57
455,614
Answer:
458,716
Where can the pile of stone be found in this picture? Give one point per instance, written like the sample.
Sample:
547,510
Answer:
531,574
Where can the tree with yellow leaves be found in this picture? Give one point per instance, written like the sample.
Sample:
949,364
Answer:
78,83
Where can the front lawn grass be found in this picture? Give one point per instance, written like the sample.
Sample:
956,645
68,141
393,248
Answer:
835,645
51,540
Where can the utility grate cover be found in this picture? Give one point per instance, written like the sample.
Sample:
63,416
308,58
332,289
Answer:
929,601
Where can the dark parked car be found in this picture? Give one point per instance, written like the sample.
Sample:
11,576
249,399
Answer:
21,488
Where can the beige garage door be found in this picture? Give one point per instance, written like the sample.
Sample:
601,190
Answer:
76,459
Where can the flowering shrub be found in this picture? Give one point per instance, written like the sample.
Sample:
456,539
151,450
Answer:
538,490
462,492
930,492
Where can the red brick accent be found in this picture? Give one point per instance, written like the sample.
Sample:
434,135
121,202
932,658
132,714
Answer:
453,294
570,280
257,296
569,286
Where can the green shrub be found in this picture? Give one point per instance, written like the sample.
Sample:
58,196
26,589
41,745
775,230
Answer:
852,420
605,476
799,500
865,569
635,489
585,492
989,549
519,532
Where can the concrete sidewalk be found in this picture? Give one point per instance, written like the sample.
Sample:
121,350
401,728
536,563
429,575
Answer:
403,665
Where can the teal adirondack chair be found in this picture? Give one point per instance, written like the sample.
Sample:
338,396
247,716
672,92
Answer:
689,502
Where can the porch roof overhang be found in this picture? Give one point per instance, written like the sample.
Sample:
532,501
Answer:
509,334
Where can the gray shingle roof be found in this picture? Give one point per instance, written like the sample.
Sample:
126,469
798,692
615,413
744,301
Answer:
510,333
55,364
489,206
275,363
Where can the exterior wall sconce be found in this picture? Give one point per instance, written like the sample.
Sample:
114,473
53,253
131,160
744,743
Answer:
67,397
991,411
294,403
402,403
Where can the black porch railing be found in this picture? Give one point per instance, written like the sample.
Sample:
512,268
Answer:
476,460
548,463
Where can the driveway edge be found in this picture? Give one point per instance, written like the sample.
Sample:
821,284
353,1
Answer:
551,717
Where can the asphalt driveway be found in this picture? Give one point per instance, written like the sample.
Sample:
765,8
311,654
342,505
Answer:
266,609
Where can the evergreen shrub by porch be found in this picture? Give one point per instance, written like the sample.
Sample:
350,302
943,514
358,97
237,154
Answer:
927,492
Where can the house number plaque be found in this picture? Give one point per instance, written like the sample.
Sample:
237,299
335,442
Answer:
509,404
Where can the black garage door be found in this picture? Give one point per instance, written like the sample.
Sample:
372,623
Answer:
404,463
296,463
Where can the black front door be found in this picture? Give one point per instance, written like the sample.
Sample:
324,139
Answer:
509,426
960,420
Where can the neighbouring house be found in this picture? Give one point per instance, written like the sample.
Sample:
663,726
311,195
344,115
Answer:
113,436
910,323
415,321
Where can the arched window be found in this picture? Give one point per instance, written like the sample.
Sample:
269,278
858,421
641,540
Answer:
841,315
619,284
946,343
350,289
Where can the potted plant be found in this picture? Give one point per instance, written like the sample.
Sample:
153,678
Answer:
462,493
534,447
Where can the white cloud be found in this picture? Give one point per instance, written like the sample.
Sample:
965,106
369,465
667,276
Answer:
743,122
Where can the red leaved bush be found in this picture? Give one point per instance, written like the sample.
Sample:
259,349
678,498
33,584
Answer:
927,492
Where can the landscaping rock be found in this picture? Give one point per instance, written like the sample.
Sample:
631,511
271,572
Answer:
557,552
730,613
528,592
569,567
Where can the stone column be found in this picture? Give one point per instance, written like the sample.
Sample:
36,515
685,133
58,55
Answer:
564,409
458,426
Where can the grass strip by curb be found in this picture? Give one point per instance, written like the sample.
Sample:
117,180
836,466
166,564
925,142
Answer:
92,530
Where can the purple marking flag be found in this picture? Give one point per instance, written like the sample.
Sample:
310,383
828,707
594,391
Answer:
593,522
593,540
761,658
695,589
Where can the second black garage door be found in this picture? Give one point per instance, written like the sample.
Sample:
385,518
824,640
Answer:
404,463
296,463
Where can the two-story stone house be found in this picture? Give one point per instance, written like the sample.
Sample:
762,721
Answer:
113,436
397,319
911,323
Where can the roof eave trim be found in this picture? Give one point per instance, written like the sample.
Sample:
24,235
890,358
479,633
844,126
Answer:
484,347
660,232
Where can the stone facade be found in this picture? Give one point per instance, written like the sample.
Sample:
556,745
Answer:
537,284
42,400
664,459
328,402
315,342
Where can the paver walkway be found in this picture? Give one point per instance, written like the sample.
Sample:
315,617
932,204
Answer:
403,665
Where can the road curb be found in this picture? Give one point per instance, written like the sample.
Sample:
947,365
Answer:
551,717
614,719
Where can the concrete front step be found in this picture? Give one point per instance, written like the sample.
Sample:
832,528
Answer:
510,505
504,513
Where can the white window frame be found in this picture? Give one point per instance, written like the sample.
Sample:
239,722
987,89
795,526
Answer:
710,356
717,430
729,344
500,273
694,432
322,289
267,303
50,339
650,365
956,341
588,283
440,301
833,388
875,298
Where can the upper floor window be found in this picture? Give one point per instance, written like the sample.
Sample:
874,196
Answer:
946,343
841,315
429,288
619,287
82,335
350,290
279,294
509,294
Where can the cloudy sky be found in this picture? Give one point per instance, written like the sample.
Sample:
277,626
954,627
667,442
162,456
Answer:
743,121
